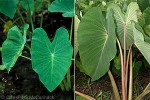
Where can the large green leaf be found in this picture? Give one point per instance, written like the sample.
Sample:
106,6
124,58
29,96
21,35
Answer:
13,46
124,22
144,47
8,7
51,60
96,37
64,6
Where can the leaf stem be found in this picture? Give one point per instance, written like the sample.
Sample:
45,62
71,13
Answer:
25,57
126,80
122,71
27,46
124,65
20,15
0,48
41,23
2,20
30,16
68,80
131,78
71,30
115,89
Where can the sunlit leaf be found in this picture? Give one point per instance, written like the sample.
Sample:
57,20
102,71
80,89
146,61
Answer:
124,22
51,60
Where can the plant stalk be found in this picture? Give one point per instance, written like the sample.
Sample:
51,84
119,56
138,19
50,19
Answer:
84,95
68,73
32,26
115,89
0,48
41,23
2,20
20,15
127,63
124,64
25,57
131,78
122,71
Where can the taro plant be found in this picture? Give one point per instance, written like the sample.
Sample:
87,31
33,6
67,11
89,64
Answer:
50,59
98,33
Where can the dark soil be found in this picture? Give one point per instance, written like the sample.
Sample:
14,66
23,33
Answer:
103,85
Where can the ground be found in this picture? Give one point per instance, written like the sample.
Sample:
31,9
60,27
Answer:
102,89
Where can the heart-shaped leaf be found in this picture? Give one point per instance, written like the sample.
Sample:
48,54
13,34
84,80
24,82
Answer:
96,37
8,7
64,6
124,22
51,60
13,46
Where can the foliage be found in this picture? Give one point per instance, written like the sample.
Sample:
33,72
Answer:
50,60
97,51
64,6
104,36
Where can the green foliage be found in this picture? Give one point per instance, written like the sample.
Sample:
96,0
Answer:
8,7
28,5
94,47
143,4
13,46
146,15
136,67
51,60
55,58
80,98
116,68
64,6
144,47
124,21
147,29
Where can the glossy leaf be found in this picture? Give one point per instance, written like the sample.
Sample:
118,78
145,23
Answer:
13,46
64,6
95,37
124,22
8,7
51,61
143,46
